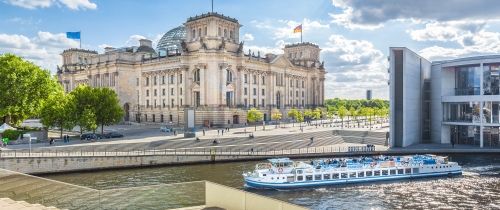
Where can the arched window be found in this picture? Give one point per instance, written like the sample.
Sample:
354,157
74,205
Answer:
231,34
225,32
229,75
197,75
199,32
194,33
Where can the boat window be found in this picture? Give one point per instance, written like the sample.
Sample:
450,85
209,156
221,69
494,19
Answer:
326,176
309,178
264,174
300,178
400,171
407,170
343,175
393,171
369,173
361,174
385,172
299,171
317,177
335,176
352,175
377,173
415,170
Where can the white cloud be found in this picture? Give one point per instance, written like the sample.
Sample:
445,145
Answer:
248,37
79,4
283,29
134,39
44,49
71,4
353,67
363,14
446,31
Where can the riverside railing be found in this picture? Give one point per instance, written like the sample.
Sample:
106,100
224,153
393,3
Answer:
192,152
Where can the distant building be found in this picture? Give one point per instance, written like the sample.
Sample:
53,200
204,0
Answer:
444,101
200,65
368,94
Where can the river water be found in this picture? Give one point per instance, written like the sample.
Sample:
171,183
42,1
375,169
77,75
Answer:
478,187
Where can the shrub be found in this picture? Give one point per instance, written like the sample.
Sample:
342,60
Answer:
12,134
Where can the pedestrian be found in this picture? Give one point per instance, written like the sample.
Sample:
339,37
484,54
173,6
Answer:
251,150
222,132
218,131
203,131
51,141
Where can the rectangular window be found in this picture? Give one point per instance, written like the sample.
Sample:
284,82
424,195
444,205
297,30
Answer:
385,172
400,171
309,177
343,175
335,176
317,177
254,91
376,173
407,170
180,103
180,91
180,78
352,175
302,84
171,79
163,91
147,81
254,102
162,80
171,91
154,81
300,178
263,92
163,103
245,78
263,80
393,172
254,79
147,92
245,91
147,103
263,103
172,103
326,176
361,174
156,92
369,173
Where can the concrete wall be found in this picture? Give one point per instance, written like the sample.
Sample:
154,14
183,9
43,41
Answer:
38,165
229,198
436,105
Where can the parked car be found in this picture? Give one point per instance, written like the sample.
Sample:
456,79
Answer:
113,135
90,136
166,129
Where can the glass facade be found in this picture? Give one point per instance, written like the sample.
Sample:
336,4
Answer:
491,80
467,80
491,112
465,134
491,137
462,112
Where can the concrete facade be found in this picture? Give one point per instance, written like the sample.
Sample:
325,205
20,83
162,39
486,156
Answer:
459,100
210,72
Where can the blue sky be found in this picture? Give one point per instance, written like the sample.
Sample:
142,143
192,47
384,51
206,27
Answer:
354,34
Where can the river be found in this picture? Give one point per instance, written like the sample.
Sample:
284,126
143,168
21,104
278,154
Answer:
478,187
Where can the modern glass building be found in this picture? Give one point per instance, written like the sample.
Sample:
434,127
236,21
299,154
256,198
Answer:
453,101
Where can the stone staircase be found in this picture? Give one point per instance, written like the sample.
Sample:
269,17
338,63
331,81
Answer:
9,204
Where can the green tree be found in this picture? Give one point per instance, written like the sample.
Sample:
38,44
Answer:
354,114
57,111
276,116
107,109
342,112
85,102
254,115
88,120
23,88
308,114
294,114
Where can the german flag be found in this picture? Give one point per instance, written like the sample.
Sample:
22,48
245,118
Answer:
298,29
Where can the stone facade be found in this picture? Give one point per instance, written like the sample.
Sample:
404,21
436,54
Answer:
210,72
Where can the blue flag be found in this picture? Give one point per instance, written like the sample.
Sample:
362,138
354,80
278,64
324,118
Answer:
73,35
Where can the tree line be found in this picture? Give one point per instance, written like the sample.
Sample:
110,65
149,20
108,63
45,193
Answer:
28,91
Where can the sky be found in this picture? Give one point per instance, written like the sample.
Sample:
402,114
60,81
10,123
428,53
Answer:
354,35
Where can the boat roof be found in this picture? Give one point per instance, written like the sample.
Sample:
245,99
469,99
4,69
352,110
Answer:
279,160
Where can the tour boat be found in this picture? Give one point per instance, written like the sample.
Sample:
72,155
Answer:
282,173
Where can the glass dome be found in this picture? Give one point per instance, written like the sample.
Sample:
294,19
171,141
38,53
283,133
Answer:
172,39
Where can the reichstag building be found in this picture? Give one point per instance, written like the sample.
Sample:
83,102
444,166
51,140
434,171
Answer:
201,65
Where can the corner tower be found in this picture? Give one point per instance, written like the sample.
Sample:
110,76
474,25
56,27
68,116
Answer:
304,54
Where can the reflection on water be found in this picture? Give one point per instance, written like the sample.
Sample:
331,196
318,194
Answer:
478,187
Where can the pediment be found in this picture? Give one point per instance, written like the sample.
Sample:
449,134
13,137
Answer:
281,61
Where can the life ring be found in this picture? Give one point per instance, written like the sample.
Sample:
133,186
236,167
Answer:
280,170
